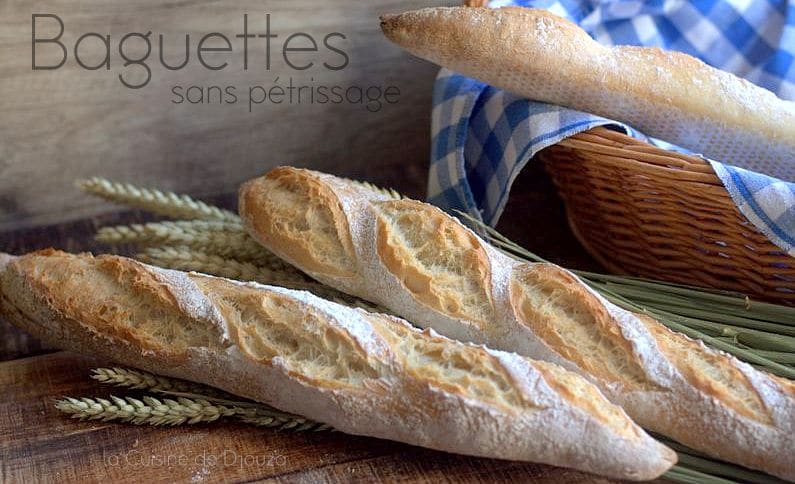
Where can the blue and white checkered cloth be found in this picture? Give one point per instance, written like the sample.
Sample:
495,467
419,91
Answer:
483,136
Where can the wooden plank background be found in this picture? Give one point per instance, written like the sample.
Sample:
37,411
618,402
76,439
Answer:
59,125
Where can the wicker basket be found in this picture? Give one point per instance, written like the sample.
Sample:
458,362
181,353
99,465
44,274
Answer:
645,211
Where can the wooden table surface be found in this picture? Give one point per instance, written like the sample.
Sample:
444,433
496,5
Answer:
38,443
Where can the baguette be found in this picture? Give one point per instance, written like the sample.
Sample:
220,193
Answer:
665,94
363,373
423,265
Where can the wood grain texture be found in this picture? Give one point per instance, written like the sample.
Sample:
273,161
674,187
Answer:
54,448
63,124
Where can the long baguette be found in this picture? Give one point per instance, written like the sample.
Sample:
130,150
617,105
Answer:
363,373
665,94
424,265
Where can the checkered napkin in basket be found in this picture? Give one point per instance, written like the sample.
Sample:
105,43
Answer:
483,136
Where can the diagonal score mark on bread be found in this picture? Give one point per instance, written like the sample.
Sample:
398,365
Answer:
308,217
360,372
125,300
575,323
546,313
440,263
270,326
712,372
466,370
579,392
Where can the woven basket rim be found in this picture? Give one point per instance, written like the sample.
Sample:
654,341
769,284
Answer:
640,209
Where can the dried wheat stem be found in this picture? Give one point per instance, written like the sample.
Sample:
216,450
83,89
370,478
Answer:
162,203
181,410
149,410
250,412
225,239
152,233
185,259
259,413
296,425
141,380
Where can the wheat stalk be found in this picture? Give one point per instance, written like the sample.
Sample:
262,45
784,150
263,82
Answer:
193,403
185,259
181,410
141,380
258,413
152,233
149,410
162,203
178,206
221,238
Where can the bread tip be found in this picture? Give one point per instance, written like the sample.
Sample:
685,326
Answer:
388,21
659,461
5,259
669,457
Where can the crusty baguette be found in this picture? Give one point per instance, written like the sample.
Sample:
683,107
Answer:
363,373
666,94
424,265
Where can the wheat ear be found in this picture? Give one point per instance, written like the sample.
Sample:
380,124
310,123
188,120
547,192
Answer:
149,410
141,380
182,410
178,206
157,232
168,204
249,412
225,239
187,259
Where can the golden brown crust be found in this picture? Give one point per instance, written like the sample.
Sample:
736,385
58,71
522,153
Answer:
583,395
132,302
573,323
413,256
291,211
474,372
361,373
267,325
713,373
440,262
468,371
669,95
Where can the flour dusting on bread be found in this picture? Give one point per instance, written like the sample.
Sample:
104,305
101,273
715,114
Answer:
362,373
407,253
